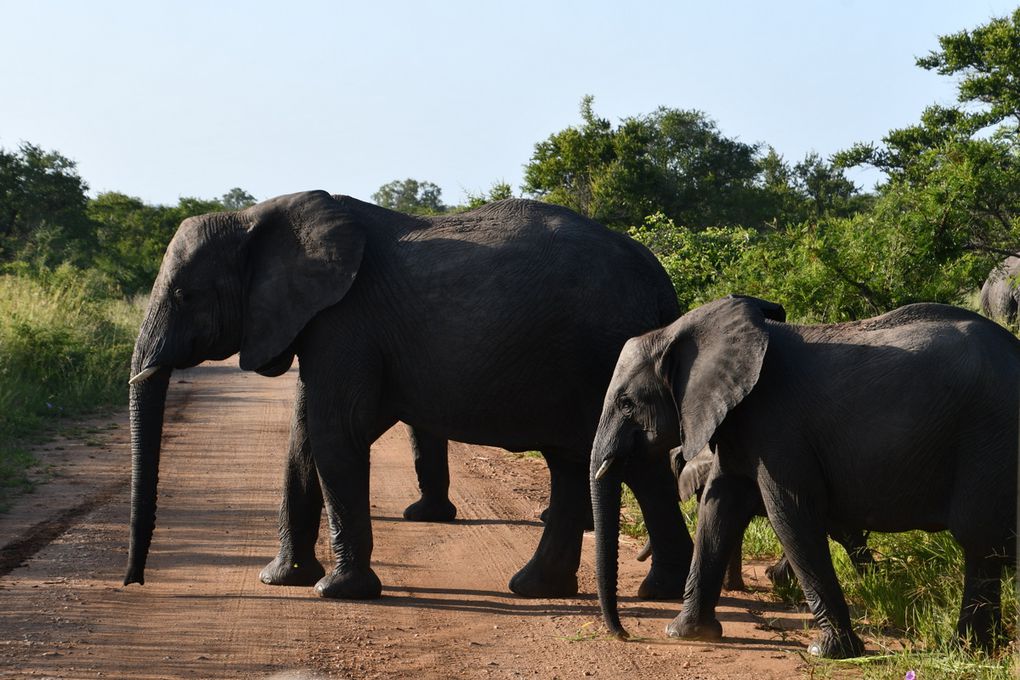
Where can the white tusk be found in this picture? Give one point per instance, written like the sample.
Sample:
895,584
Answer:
143,374
604,469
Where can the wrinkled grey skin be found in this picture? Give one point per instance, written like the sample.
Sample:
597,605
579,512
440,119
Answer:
498,326
691,483
1000,293
904,421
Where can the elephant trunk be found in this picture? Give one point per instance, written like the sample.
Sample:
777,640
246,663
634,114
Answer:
147,402
606,491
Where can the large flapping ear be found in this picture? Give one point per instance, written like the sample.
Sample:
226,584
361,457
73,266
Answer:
711,361
303,253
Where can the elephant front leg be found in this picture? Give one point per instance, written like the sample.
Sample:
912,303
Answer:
654,486
552,571
727,505
300,509
431,465
343,467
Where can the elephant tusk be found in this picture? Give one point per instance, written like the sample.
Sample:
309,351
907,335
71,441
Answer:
603,469
142,375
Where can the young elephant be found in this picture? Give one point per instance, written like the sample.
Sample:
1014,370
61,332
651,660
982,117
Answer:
904,421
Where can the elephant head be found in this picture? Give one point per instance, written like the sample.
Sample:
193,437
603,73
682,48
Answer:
670,390
1000,293
230,282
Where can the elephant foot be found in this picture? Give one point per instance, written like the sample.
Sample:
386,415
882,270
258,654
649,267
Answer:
831,646
663,583
361,584
528,582
284,571
734,582
697,630
431,510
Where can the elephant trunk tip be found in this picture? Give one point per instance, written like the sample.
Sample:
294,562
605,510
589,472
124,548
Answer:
135,575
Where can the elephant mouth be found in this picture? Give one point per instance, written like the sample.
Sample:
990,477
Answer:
278,365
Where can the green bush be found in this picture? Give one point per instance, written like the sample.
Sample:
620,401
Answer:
65,348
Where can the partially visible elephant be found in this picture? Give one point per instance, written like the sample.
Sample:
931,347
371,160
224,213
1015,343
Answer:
497,326
691,483
904,421
1000,293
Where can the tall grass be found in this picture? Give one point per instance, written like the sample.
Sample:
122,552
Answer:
65,347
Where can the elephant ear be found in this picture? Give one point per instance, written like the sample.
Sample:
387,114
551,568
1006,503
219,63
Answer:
303,253
712,359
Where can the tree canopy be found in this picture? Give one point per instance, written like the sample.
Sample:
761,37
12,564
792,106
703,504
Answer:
410,196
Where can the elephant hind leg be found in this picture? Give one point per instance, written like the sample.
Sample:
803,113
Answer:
798,520
980,620
552,571
431,465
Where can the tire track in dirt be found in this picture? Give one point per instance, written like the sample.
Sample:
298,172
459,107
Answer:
445,610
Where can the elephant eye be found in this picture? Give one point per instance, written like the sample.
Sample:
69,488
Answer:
626,405
182,296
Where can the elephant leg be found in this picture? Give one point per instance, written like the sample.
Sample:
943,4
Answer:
781,573
654,487
552,571
343,466
734,579
856,545
300,509
727,505
431,465
801,530
980,618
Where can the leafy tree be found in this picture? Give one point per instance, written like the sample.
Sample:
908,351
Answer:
497,192
671,161
42,208
132,235
237,199
965,156
410,196
693,259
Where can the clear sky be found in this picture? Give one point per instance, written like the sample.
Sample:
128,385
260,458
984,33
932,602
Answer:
167,99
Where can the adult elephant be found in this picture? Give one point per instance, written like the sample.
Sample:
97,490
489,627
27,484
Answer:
497,326
1000,293
904,421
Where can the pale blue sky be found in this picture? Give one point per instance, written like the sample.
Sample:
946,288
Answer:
167,99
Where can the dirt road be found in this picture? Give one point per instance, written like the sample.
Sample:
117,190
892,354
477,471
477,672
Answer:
445,610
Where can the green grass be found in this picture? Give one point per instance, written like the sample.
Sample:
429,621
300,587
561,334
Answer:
909,602
65,347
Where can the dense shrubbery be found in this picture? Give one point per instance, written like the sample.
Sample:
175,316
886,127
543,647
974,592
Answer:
65,342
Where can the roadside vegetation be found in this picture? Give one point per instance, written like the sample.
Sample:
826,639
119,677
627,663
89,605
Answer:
66,336
723,216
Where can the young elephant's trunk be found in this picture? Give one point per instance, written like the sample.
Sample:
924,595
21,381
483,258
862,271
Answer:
605,496
148,399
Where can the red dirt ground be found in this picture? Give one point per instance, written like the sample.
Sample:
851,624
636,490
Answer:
445,611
